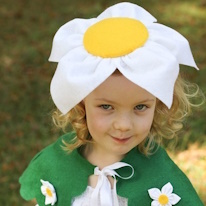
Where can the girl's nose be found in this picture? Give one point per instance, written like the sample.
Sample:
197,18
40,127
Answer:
122,122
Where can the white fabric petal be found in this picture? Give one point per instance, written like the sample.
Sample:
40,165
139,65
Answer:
154,193
176,43
167,189
128,10
43,190
74,80
54,199
149,73
69,36
155,203
48,200
174,199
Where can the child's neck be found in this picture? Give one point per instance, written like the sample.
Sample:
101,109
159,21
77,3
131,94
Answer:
98,157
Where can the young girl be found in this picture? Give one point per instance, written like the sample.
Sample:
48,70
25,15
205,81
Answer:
118,85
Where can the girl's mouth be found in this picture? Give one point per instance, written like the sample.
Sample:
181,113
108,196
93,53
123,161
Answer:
121,140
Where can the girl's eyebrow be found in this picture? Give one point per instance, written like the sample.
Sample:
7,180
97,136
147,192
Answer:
139,102
147,100
104,100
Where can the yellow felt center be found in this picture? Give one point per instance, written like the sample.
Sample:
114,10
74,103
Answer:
48,191
163,199
115,37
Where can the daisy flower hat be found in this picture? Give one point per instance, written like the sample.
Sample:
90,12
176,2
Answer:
124,37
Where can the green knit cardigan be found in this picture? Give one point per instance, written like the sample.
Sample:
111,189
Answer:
69,173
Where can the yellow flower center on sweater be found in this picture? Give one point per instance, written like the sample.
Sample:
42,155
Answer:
115,37
48,192
163,199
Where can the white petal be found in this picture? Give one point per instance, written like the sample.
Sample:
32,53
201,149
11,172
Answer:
155,203
48,200
174,199
43,189
54,199
153,65
69,36
167,189
128,10
154,193
74,80
177,44
43,182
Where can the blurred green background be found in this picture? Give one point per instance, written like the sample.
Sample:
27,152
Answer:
27,30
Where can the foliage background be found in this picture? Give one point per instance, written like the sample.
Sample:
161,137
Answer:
27,30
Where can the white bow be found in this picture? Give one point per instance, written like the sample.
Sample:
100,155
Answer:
103,191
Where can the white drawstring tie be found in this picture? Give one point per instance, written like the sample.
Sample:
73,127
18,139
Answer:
103,191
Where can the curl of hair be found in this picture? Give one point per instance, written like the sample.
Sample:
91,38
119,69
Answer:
166,122
76,119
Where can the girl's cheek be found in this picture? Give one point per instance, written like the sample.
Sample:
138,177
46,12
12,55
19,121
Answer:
145,124
100,123
97,121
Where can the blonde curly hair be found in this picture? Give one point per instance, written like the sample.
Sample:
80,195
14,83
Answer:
166,122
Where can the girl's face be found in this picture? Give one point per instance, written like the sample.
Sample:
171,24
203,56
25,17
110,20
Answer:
119,116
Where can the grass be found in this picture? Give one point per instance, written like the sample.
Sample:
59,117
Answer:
27,29
195,168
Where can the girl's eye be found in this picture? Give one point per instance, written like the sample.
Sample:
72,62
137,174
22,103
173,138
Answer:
106,106
141,107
